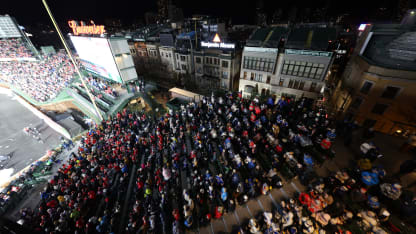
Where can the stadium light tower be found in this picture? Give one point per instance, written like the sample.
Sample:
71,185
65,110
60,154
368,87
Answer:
72,58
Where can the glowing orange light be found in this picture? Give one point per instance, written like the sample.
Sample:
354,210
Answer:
85,29
216,38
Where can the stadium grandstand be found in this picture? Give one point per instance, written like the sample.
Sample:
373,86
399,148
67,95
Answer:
14,48
42,79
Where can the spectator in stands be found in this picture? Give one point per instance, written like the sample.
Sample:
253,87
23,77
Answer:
41,79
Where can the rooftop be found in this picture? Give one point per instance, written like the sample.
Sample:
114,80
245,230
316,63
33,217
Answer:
267,37
392,46
312,38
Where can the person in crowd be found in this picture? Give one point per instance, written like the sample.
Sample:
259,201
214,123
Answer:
193,165
41,79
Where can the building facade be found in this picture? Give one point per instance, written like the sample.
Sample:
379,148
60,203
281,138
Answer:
302,73
216,69
167,57
379,82
291,65
258,69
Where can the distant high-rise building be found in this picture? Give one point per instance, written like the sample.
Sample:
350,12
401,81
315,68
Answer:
150,18
293,14
277,16
261,17
174,13
163,9
410,17
402,8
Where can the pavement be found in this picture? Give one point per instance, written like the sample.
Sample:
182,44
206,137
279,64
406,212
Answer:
23,148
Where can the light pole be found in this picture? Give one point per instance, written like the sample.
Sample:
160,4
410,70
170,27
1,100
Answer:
71,57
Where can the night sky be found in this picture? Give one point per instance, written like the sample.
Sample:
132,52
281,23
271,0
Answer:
29,12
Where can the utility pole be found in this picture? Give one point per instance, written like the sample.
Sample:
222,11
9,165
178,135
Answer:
71,57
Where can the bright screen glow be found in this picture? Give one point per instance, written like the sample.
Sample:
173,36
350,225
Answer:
95,55
362,27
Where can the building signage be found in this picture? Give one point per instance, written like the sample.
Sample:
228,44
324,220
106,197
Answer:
216,43
309,52
260,49
220,45
86,29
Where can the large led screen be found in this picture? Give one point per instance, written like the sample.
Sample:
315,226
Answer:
95,55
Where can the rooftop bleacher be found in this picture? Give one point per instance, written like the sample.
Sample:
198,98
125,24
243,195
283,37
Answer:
392,47
310,38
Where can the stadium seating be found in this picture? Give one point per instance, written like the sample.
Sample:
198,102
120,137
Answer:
14,48
41,80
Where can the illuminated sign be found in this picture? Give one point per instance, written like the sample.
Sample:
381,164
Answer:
362,27
216,38
217,43
86,29
308,52
260,49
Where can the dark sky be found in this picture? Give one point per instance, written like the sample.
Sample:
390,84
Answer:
29,12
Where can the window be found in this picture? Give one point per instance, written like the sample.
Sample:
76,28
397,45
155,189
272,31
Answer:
296,85
224,84
281,81
182,58
206,59
302,69
260,78
210,60
161,53
290,84
198,60
268,80
252,76
313,87
366,87
357,102
379,108
225,74
259,64
301,84
225,64
245,75
390,92
183,67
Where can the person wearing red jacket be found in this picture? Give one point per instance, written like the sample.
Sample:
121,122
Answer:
326,144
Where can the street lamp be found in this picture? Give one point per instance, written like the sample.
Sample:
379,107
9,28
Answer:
71,57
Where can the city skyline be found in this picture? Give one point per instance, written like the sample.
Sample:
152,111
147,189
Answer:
33,11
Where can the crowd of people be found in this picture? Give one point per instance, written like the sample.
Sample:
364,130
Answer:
102,85
340,203
189,166
11,48
42,79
